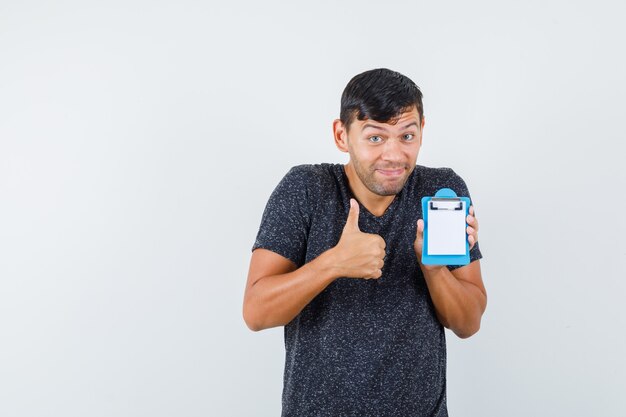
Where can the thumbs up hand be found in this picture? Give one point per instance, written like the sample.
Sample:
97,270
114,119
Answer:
359,255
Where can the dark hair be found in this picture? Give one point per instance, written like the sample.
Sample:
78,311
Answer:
380,95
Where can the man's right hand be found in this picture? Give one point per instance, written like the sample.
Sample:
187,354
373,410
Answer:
358,254
277,290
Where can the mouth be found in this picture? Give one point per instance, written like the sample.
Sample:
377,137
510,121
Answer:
391,173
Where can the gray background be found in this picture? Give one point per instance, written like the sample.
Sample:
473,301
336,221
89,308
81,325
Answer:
139,142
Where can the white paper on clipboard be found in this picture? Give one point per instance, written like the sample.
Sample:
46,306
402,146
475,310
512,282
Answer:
446,229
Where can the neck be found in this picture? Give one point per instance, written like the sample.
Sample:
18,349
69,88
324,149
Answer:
374,203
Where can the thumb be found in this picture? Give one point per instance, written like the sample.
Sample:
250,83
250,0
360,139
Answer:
420,226
353,216
419,240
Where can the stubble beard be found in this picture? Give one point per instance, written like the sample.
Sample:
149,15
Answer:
367,178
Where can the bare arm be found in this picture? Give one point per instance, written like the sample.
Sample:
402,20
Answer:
459,296
276,291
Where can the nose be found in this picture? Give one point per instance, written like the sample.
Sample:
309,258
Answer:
392,151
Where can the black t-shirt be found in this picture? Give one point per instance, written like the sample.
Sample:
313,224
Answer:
360,347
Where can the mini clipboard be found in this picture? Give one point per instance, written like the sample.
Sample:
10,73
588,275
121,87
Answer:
445,234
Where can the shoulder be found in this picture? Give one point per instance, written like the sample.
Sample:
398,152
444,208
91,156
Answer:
311,171
312,177
433,174
432,179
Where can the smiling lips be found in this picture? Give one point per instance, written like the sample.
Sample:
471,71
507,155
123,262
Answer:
391,172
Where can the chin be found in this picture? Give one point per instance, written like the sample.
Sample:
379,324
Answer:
383,191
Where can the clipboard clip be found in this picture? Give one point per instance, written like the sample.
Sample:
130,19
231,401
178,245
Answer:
452,204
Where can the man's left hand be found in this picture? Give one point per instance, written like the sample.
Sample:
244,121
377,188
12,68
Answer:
472,231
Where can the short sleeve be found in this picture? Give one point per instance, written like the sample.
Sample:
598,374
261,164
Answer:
285,223
457,184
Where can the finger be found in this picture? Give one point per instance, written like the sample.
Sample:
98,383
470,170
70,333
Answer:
471,210
471,241
473,233
419,238
472,221
420,226
353,216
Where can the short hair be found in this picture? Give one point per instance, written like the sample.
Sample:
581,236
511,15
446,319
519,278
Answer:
380,95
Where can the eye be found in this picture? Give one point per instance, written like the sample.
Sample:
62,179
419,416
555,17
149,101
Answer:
375,139
408,137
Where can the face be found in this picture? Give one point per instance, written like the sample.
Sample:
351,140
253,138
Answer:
383,155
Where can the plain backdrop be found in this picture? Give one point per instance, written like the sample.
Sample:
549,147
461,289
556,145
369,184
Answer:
140,141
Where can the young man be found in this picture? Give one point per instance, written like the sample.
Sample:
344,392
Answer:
337,262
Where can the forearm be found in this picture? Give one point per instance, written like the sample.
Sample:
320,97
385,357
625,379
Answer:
276,299
459,304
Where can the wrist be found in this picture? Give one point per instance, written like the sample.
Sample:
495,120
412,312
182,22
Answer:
327,265
431,269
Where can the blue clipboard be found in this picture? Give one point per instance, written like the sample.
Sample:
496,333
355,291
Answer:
444,209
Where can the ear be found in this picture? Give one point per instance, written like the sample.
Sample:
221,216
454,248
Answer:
341,135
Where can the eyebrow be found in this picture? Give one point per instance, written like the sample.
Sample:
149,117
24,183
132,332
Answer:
411,124
365,126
